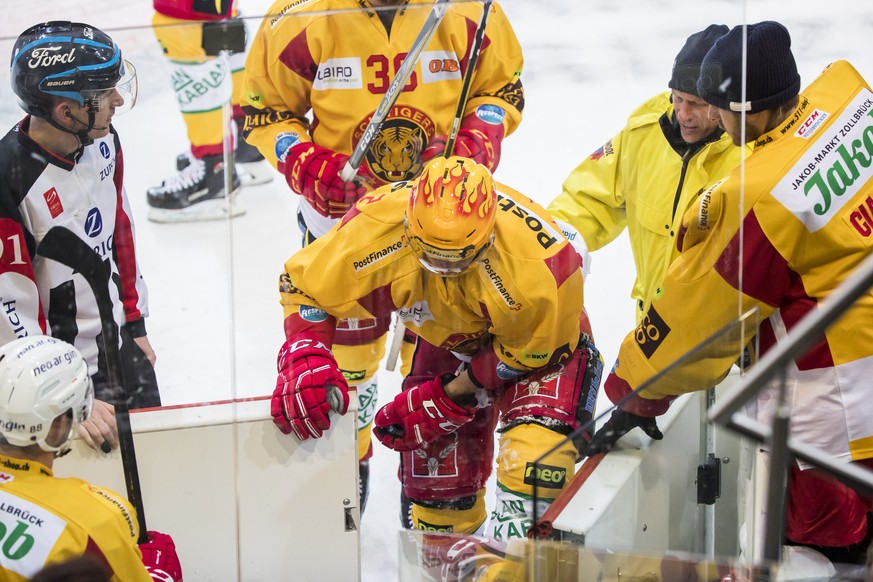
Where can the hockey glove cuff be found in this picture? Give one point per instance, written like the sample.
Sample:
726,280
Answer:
477,139
309,385
620,392
160,558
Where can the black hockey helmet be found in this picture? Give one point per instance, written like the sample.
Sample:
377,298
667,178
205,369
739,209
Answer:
72,60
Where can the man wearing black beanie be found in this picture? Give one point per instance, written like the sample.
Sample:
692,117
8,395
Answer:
772,82
646,176
780,233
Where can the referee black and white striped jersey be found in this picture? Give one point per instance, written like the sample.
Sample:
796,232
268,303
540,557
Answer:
40,190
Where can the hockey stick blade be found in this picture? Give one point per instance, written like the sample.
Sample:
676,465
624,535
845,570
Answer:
62,245
350,170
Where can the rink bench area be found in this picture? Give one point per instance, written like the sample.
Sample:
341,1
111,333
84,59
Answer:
245,502
241,500
642,496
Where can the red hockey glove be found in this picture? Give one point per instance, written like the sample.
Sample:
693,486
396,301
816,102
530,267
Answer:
477,139
418,416
160,559
457,557
313,172
309,385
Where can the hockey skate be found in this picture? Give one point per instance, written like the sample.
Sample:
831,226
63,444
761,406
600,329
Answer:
251,167
195,193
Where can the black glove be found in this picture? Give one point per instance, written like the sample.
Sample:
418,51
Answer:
619,424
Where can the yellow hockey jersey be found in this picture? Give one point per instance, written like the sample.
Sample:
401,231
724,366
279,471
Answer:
807,223
638,181
334,60
44,520
524,297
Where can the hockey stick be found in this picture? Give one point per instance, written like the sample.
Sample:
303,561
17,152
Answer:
439,10
396,344
475,49
468,79
62,245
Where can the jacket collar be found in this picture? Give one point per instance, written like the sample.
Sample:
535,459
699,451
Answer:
670,129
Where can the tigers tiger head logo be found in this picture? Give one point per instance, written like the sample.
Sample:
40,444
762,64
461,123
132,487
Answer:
396,152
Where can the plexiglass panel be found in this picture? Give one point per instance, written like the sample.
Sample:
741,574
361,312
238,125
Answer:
595,81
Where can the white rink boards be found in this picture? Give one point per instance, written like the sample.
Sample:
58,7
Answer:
290,508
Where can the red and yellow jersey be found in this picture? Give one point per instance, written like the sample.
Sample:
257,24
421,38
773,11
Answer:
44,520
638,181
334,60
807,223
524,297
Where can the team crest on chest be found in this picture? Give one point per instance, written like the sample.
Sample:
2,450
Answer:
395,153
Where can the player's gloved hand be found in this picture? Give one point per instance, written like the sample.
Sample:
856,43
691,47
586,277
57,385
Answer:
452,557
160,558
309,385
418,416
477,139
619,424
313,172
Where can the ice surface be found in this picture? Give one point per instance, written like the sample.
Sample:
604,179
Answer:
215,319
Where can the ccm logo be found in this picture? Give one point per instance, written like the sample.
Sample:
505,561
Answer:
815,119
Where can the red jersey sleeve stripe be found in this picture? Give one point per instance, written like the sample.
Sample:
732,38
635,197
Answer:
296,56
768,278
766,275
563,264
123,244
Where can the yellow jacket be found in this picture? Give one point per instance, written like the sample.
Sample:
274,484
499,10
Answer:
807,223
639,181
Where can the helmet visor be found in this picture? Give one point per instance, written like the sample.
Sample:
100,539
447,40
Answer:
447,262
127,87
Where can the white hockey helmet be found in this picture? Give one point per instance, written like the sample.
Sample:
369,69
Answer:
41,378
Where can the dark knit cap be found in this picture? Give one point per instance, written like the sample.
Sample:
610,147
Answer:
771,76
686,67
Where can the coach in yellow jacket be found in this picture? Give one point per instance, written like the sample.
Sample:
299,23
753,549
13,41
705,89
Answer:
780,237
644,178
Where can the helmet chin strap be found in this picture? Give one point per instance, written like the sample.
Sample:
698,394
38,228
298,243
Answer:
82,135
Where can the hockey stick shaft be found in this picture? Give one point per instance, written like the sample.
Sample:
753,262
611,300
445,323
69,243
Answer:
439,10
62,245
396,344
475,49
468,79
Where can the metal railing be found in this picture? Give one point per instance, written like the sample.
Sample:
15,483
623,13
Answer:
784,448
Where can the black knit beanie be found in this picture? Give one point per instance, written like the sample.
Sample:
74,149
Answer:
771,76
686,67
